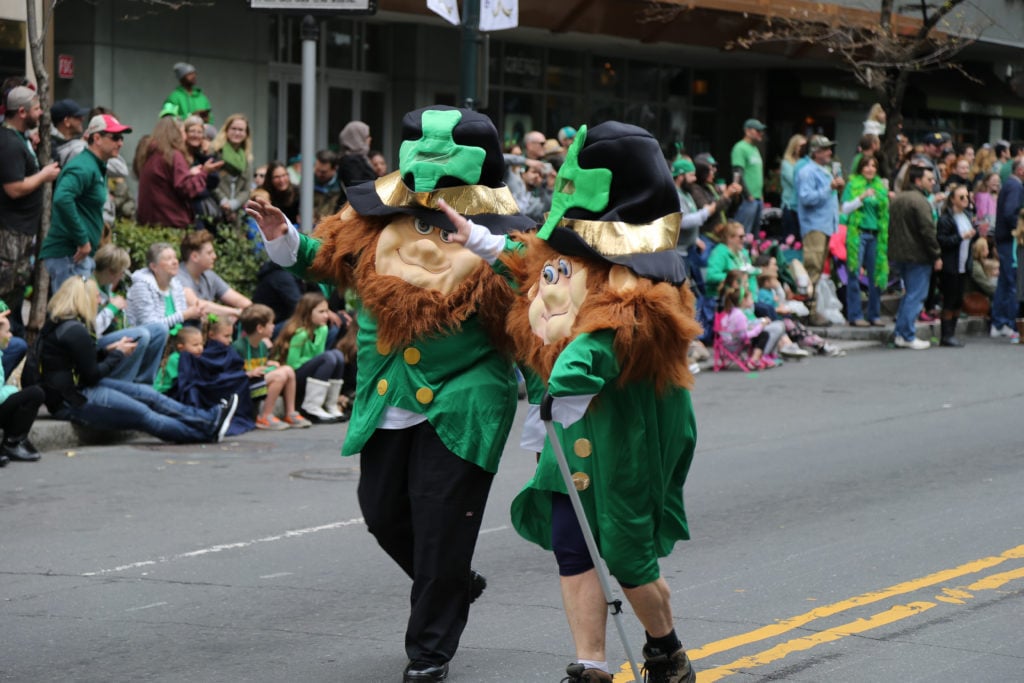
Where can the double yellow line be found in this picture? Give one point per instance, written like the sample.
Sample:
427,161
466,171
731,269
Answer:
958,595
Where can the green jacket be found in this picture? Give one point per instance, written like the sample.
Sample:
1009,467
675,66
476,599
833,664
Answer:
78,198
630,454
458,381
303,349
187,102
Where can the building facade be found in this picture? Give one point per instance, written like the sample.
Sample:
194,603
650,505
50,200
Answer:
567,64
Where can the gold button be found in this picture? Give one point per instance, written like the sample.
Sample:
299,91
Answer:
382,387
424,395
582,448
581,481
412,355
382,348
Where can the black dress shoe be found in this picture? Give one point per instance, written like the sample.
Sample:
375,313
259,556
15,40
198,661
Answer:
19,448
417,672
477,584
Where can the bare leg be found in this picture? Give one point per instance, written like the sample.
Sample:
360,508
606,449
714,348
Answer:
274,386
587,613
652,606
289,388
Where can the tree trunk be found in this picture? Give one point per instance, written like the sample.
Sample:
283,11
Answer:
41,279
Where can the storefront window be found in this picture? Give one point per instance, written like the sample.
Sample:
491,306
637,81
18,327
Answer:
564,71
705,89
642,81
522,66
606,76
339,44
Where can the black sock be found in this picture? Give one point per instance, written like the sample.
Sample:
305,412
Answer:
666,645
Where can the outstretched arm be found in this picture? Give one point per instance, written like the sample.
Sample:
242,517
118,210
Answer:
476,238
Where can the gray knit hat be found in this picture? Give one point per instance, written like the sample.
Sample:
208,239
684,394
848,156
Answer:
182,69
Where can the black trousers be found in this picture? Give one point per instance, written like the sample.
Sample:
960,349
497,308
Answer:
19,411
424,505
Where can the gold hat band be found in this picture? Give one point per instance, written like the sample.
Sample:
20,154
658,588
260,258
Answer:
469,200
617,238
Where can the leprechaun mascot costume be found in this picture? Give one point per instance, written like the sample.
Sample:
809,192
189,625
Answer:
435,391
605,319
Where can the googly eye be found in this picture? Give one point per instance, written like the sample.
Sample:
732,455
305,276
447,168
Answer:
422,228
550,274
446,236
565,267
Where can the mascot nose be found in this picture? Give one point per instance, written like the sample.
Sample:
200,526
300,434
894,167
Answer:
553,295
427,253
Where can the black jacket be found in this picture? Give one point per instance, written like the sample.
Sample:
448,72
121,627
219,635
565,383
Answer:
69,360
949,241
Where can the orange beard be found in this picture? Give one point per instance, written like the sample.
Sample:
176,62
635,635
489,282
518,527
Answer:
653,322
404,311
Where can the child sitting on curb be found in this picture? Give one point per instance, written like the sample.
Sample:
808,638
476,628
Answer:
302,345
186,340
254,347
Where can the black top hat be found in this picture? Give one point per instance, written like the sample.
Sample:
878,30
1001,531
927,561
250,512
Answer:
615,200
451,154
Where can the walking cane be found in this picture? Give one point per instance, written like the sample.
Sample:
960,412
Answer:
614,606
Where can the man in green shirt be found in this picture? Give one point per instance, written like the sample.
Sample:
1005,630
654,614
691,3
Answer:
748,168
188,97
78,198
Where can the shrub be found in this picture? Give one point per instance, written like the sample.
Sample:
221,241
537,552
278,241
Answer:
238,257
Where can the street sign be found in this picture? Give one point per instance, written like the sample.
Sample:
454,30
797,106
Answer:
317,6
65,66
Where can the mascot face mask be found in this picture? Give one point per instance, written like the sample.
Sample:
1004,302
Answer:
423,255
556,298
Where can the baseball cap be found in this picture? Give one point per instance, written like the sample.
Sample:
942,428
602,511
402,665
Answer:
706,158
754,123
105,123
62,109
567,133
937,138
819,142
682,165
20,97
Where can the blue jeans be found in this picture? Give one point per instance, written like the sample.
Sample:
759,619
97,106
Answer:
116,404
12,355
1004,301
60,269
866,258
916,277
144,363
749,214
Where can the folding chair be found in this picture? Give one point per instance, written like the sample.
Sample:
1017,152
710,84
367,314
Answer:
727,350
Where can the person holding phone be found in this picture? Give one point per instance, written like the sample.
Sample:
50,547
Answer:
748,170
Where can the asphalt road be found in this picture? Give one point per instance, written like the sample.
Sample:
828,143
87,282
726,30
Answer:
854,519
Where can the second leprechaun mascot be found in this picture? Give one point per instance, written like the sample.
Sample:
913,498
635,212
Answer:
435,395
604,318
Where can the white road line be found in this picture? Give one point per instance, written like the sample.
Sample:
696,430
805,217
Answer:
497,528
155,604
295,533
276,576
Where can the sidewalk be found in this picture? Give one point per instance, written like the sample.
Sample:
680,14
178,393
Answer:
56,435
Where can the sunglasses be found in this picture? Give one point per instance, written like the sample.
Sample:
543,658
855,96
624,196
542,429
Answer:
116,137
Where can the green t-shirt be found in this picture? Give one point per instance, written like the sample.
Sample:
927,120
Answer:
252,356
168,374
748,157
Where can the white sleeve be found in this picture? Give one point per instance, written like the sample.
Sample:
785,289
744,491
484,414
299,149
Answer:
483,243
568,410
852,205
534,433
284,251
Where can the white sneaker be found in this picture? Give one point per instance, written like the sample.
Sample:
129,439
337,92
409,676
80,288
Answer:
793,351
1003,331
915,344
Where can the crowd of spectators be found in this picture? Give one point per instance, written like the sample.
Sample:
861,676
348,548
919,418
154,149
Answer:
941,225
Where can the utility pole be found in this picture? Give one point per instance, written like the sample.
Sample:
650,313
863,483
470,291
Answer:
470,41
310,33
